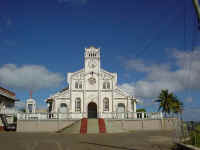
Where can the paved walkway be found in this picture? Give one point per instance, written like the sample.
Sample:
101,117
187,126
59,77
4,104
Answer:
93,126
138,140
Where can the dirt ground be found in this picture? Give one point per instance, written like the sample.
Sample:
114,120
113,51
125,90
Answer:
136,140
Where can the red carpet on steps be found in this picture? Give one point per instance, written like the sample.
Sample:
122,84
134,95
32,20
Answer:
83,129
102,126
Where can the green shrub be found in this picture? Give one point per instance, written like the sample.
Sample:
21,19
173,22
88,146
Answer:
198,127
195,138
15,119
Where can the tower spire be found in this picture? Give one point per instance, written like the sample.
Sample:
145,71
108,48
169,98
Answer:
30,94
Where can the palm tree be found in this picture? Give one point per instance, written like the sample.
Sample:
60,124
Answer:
168,102
177,107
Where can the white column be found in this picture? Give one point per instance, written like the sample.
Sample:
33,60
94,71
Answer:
142,115
161,115
134,106
134,109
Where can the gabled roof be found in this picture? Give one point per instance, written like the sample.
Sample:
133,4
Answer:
8,94
92,47
58,94
121,92
79,71
64,89
103,70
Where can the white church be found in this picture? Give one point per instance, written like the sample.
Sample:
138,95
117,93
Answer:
92,92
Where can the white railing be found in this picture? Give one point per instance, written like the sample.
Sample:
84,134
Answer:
48,116
106,115
132,115
8,111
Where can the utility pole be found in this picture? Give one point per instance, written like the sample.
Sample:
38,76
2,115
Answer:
197,9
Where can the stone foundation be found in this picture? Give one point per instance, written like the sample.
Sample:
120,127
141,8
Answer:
112,126
42,125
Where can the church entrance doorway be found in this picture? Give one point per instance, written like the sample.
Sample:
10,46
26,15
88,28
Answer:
92,110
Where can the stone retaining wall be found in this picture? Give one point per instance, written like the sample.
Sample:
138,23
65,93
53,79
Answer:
42,125
128,125
112,126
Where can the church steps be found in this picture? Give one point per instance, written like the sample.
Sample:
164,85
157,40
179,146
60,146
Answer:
73,128
93,126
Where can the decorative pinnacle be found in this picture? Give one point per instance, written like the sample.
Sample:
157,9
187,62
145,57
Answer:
31,93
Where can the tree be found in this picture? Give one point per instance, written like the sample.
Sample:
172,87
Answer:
141,110
177,106
169,103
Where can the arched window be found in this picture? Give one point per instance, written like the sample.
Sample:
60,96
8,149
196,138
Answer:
63,108
105,104
30,108
78,85
106,85
120,107
78,105
63,105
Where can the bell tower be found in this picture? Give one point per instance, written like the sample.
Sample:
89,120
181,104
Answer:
92,59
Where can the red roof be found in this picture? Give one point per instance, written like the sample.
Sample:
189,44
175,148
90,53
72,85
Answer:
7,92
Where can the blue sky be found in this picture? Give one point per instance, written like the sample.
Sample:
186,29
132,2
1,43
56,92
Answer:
143,41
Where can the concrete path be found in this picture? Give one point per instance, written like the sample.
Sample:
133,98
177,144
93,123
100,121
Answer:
75,128
138,140
93,126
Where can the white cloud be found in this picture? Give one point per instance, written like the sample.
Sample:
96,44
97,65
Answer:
29,77
128,88
140,66
20,104
186,75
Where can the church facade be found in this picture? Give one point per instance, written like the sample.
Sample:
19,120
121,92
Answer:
92,92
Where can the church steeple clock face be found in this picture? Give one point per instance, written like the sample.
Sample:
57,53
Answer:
92,63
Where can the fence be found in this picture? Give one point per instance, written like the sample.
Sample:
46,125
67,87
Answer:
107,115
8,111
193,134
187,135
132,115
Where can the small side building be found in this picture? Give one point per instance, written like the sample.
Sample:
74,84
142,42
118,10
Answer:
7,104
30,105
